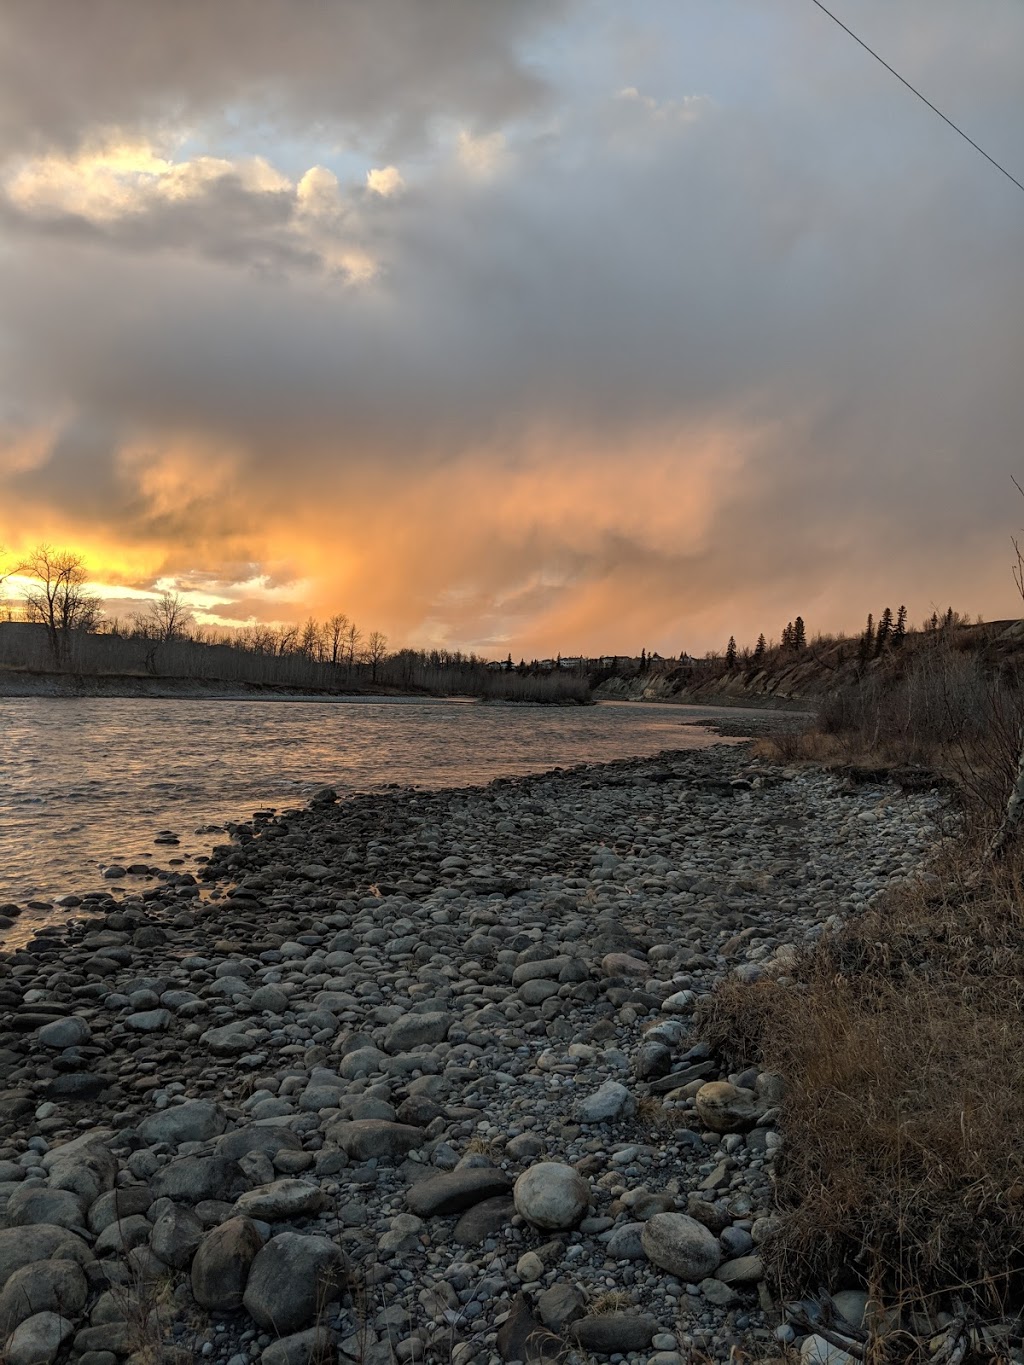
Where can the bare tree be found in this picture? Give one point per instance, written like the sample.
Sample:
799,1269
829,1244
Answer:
376,652
312,641
58,598
6,610
167,617
352,637
336,628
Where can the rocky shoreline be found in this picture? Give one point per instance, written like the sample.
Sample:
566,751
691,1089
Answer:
418,1067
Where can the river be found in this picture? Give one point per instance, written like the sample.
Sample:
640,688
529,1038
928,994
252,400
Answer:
90,782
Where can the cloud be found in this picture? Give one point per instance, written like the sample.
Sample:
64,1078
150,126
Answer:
385,180
481,156
552,369
378,73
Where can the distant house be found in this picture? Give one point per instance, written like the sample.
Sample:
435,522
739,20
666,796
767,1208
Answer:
571,663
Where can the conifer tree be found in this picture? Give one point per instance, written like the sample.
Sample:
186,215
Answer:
760,648
787,635
867,640
899,633
799,640
730,652
884,631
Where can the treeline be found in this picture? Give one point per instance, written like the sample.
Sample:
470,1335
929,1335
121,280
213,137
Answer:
125,651
889,631
57,626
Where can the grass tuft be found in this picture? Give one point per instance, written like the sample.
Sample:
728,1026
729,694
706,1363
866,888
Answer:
902,1045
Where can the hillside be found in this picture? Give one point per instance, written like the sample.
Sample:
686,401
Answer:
789,678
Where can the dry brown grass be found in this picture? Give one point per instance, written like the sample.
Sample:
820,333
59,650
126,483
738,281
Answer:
902,1045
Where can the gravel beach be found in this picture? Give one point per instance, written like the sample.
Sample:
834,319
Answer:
418,1067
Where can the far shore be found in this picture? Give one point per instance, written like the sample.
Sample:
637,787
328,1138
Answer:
18,683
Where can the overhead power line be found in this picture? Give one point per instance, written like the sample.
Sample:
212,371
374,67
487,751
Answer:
915,91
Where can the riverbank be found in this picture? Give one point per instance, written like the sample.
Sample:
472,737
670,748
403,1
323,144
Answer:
24,683
372,1018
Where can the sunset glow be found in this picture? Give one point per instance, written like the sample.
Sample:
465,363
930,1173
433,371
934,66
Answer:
526,328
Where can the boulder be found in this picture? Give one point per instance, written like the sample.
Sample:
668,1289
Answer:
62,1033
726,1108
363,1139
682,1246
220,1268
551,1195
609,1333
302,1348
176,1236
119,1203
292,1280
193,1121
454,1191
21,1246
609,1101
194,1178
417,1030
38,1340
560,1305
87,1170
281,1199
42,1287
270,1139
39,1204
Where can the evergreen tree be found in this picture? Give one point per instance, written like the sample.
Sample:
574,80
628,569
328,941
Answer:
787,635
730,652
934,622
884,631
867,640
643,658
760,649
799,634
899,633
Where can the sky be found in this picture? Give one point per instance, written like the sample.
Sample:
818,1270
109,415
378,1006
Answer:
548,326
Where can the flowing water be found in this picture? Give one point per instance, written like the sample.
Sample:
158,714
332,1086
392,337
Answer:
90,782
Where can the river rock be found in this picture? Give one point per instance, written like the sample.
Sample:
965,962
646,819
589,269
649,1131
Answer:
42,1287
521,1337
38,1340
551,1195
454,1191
364,1139
39,1204
413,1031
62,1033
293,1279
726,1108
609,1333
313,1345
194,1178
281,1199
682,1246
609,1101
21,1246
193,1121
625,1243
559,1306
220,1268
176,1236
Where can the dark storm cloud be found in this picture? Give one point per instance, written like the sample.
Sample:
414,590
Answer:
377,69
